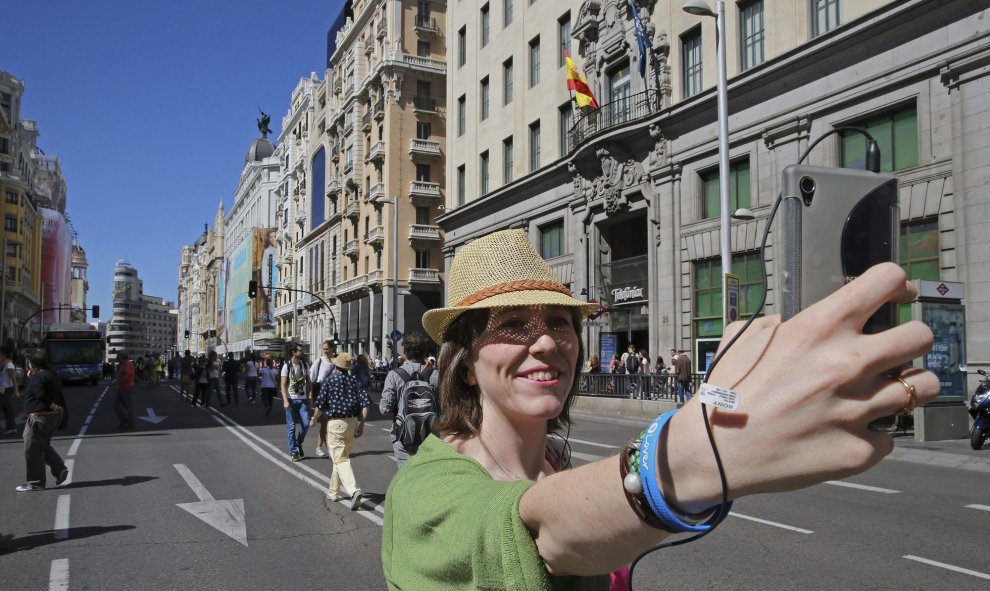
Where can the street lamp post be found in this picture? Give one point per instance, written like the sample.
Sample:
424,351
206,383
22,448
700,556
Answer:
394,202
701,8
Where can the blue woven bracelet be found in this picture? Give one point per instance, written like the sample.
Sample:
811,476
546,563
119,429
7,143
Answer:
651,487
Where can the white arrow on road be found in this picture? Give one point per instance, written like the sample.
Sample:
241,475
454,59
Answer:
226,516
152,417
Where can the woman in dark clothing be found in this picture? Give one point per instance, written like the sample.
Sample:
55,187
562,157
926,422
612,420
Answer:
44,406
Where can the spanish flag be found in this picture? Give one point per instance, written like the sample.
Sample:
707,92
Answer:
578,83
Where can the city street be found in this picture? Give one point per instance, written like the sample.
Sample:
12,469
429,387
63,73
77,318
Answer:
208,499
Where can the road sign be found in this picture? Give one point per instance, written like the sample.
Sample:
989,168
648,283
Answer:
731,286
395,335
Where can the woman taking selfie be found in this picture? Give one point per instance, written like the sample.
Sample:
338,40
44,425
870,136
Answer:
490,504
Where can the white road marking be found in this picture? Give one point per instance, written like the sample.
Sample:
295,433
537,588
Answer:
593,443
153,417
293,469
58,577
74,448
772,523
980,507
227,516
876,489
70,464
62,518
957,569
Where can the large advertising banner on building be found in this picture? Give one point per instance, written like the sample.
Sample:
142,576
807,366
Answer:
56,265
238,305
265,272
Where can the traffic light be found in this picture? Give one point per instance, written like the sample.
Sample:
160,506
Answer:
252,289
187,334
96,311
336,340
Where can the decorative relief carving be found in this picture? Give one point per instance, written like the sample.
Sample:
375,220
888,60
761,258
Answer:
660,155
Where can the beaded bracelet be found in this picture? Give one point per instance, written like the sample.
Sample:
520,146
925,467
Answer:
640,483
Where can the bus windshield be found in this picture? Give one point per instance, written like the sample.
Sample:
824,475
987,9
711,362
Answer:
74,352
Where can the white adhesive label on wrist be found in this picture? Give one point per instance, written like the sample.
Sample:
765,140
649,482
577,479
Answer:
719,397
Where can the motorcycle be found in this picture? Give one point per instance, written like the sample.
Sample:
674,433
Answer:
979,409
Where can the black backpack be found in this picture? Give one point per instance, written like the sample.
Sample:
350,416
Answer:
632,363
417,408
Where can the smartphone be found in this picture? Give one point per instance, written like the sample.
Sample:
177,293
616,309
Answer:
835,224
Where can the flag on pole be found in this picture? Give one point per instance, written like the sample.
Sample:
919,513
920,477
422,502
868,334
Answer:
579,84
640,38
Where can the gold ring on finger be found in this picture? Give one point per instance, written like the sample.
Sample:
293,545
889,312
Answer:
912,393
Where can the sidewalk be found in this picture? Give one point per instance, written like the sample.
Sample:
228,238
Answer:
953,453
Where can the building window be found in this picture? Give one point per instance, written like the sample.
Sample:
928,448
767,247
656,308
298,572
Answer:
423,173
483,172
918,255
506,13
534,61
825,16
618,94
11,274
896,133
462,47
738,189
461,114
422,259
423,130
566,112
507,160
484,25
423,215
751,33
10,223
423,48
563,37
691,60
552,240
534,145
507,81
4,145
461,182
707,309
484,98
12,197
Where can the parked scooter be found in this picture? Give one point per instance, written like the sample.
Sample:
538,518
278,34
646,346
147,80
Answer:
979,409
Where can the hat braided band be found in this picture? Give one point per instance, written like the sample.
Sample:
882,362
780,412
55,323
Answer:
511,286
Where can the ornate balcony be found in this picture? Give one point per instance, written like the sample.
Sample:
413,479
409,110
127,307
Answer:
378,111
352,210
333,188
351,248
429,148
424,232
376,192
425,64
426,24
381,29
424,192
424,104
366,121
375,236
430,276
376,152
301,217
375,277
359,282
624,110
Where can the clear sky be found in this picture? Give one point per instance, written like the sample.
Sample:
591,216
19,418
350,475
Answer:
151,106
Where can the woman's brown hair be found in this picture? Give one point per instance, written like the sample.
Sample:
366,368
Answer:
460,403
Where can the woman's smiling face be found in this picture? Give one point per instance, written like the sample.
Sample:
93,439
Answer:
525,360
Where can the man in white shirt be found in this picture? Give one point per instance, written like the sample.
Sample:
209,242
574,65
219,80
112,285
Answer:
295,396
8,388
318,372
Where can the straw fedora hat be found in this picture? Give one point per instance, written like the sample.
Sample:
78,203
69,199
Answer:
499,270
344,361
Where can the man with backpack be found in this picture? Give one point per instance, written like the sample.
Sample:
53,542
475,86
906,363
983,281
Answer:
410,395
295,400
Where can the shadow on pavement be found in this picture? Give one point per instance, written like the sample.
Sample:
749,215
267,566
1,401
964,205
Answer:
43,538
125,481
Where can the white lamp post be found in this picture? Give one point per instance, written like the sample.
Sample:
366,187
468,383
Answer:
394,202
701,8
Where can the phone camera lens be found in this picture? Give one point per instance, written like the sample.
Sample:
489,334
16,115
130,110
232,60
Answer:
807,187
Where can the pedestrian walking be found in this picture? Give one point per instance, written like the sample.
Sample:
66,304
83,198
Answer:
44,406
318,372
682,373
123,401
412,379
231,377
202,381
213,378
186,380
295,397
8,389
269,384
250,378
346,403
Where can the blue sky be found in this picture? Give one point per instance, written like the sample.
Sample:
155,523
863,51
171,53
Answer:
150,106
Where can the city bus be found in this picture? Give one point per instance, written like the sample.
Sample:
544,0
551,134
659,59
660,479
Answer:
75,352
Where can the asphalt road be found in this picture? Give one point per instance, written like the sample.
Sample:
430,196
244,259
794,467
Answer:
196,499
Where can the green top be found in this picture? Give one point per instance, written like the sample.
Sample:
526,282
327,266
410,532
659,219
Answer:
450,527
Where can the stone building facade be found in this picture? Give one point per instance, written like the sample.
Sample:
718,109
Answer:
142,325
624,203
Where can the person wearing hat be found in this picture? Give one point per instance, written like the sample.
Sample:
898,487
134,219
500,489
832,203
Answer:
491,504
346,402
